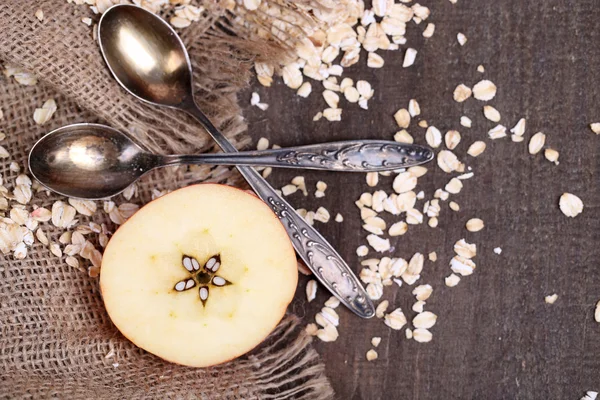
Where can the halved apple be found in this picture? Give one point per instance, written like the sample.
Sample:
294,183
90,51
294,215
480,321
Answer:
199,276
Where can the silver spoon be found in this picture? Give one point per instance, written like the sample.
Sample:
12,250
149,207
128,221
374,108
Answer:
148,59
94,161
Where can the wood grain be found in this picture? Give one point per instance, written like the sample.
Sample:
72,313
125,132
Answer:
495,338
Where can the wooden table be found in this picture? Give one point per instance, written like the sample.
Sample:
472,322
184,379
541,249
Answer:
495,337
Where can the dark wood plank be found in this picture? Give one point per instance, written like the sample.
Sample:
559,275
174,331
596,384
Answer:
495,337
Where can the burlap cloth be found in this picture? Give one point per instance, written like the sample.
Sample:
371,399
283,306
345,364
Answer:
54,331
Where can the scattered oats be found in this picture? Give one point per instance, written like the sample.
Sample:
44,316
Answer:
441,194
301,183
465,121
476,148
333,114
497,132
41,236
417,171
381,309
462,39
454,186
454,206
39,14
404,182
87,21
318,116
378,244
396,319
330,316
374,60
22,194
304,90
55,249
537,143
462,93
433,222
403,137
518,130
480,69
378,197
332,302
402,117
423,124
375,341
351,94
362,251
433,137
311,290
422,292
418,306
452,280
484,90
266,172
375,290
322,215
371,355
429,30
72,262
491,113
14,167
474,225
179,22
409,57
462,266
365,90
328,334
103,240
339,218
43,115
597,312
367,213
466,176
464,249
448,161
20,251
590,395
372,179
62,214
424,320
452,139
498,250
570,205
311,329
65,237
551,155
414,217
289,189
551,299
331,98
263,144
398,229
595,127
83,207
408,333
367,199
422,335
413,108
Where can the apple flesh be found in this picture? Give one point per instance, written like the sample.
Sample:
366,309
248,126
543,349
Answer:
199,276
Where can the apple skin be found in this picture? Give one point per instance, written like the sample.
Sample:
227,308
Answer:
276,311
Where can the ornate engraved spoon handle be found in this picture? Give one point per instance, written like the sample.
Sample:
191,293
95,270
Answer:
349,156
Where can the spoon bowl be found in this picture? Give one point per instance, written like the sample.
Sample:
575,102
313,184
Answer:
89,161
146,57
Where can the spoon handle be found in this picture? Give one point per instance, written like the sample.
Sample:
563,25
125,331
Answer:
325,263
348,156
